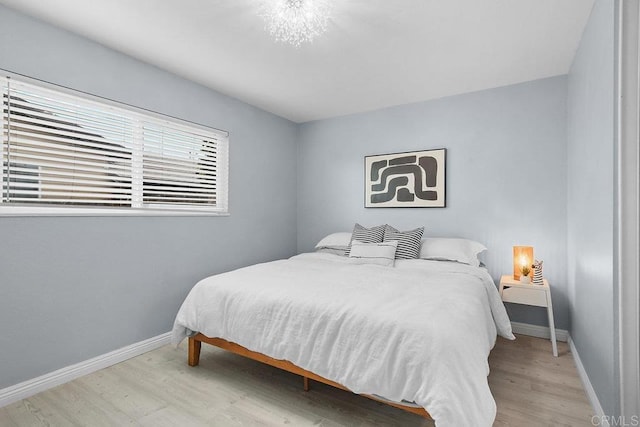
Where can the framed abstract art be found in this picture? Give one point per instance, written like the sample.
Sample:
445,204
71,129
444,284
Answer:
406,180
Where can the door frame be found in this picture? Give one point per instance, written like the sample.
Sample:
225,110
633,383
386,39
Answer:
627,229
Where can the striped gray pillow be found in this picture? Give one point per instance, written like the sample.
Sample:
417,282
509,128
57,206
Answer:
366,235
408,241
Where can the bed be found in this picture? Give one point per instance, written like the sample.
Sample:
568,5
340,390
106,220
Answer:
416,335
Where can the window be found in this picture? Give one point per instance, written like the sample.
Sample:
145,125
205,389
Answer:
71,153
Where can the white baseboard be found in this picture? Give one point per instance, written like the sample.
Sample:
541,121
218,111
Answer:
586,383
538,331
44,382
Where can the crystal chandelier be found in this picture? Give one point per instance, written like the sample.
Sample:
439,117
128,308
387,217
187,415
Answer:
296,21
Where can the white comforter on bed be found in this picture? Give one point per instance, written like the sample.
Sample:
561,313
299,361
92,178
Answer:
420,331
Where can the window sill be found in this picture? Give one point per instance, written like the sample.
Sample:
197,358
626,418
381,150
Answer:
22,211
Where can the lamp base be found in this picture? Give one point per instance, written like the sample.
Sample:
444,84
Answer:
525,279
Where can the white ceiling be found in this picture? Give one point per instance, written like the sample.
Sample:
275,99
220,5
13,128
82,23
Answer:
376,53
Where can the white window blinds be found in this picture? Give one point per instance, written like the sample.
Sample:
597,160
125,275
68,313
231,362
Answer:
68,151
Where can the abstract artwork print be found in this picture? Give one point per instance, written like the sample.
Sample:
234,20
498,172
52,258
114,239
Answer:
412,180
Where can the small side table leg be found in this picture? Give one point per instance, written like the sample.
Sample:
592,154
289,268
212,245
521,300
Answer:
552,326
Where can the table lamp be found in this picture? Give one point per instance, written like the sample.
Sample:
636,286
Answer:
522,257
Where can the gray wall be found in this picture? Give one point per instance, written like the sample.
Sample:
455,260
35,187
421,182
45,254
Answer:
75,288
506,175
591,201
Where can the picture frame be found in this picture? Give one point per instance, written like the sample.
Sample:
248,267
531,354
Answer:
413,179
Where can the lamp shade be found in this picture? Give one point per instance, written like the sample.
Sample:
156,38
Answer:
522,257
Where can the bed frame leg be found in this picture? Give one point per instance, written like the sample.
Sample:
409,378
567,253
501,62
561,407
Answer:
305,384
194,351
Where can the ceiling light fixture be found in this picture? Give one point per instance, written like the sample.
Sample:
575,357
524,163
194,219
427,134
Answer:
296,21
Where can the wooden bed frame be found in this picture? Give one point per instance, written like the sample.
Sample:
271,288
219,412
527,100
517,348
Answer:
195,343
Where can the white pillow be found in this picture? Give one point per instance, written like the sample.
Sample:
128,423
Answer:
383,253
335,241
459,250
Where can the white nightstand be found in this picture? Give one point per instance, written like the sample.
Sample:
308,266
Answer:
514,291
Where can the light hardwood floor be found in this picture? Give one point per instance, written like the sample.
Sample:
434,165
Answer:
531,387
